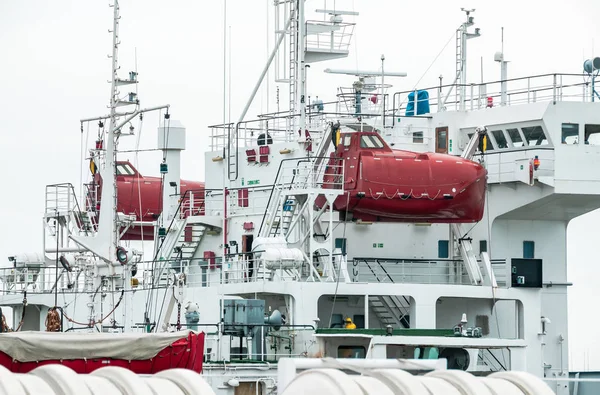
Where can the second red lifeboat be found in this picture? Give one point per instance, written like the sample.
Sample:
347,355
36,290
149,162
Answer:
142,196
382,184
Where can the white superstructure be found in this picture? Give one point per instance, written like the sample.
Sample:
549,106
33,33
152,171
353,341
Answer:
302,268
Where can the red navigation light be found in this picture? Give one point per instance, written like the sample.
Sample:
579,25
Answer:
536,163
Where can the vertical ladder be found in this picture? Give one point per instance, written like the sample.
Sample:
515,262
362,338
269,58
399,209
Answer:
468,255
458,64
232,152
293,57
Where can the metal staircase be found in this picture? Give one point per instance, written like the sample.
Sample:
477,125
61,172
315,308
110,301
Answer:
284,218
189,239
390,310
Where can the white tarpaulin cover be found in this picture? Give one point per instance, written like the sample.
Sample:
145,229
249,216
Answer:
41,346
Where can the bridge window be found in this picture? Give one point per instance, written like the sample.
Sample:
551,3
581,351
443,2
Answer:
570,133
370,141
500,138
592,134
534,135
515,137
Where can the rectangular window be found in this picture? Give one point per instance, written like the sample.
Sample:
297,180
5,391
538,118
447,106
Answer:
370,141
443,246
441,140
534,135
347,140
528,249
500,138
418,137
515,137
592,134
482,246
341,243
570,133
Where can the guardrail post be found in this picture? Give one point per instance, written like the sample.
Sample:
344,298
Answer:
554,89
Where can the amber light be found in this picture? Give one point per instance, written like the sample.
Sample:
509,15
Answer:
536,163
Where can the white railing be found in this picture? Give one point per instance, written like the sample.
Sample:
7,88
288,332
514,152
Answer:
533,89
418,271
326,36
243,268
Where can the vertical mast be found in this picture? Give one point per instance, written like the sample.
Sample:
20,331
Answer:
301,74
462,54
109,191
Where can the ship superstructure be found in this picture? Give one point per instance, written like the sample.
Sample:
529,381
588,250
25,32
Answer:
433,219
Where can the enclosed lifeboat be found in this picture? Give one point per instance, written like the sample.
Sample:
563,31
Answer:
131,185
382,184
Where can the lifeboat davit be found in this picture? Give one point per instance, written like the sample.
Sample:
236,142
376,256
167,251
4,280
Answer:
382,184
131,185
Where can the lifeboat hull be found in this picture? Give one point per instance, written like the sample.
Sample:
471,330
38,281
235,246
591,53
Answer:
402,186
141,196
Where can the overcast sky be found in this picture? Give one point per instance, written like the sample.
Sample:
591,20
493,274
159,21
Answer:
54,71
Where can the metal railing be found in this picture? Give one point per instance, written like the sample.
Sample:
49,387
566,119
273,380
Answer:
539,88
326,36
245,268
418,271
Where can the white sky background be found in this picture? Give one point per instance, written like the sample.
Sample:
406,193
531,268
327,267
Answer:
54,71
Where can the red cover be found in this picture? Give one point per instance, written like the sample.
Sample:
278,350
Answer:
186,353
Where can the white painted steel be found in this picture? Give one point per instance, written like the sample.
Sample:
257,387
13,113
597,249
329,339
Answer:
501,386
9,384
128,382
100,385
438,386
34,385
59,380
465,382
62,380
528,383
189,382
372,386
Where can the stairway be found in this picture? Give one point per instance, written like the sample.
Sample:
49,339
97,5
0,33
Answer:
390,310
188,241
284,217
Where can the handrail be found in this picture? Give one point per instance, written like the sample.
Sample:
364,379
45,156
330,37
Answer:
277,176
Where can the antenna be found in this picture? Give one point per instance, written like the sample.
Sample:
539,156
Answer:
499,57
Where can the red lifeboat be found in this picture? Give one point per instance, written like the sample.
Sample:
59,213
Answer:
131,185
383,184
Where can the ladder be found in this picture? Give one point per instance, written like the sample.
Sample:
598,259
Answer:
286,214
468,255
458,63
293,57
232,152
